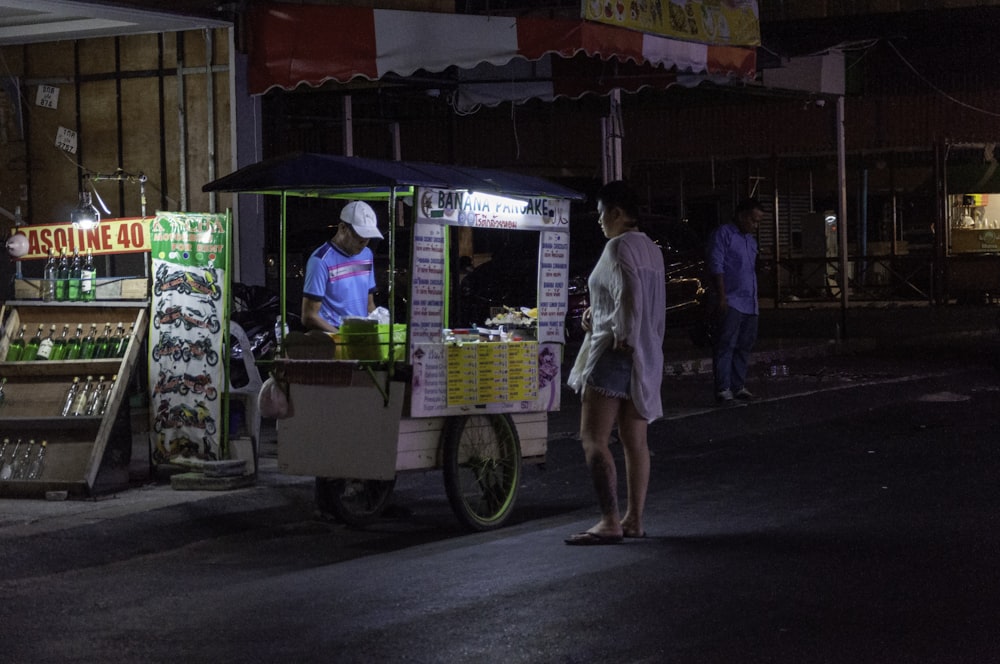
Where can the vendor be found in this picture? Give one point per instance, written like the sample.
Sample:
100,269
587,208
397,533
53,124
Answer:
340,276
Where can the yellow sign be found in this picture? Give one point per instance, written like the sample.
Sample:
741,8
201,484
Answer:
724,22
486,373
111,236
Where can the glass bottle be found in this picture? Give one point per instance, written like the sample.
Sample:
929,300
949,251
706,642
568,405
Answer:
59,346
16,348
31,348
74,344
79,406
96,397
7,468
23,461
89,344
107,396
119,343
35,468
88,278
75,273
49,276
104,343
62,277
3,449
46,345
71,393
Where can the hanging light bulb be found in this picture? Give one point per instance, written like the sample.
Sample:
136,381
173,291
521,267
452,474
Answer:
85,216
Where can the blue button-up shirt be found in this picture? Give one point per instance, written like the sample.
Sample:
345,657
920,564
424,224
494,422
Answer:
734,255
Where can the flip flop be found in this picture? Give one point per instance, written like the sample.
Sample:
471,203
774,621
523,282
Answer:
628,535
587,538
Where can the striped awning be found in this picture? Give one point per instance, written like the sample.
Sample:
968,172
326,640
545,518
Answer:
296,45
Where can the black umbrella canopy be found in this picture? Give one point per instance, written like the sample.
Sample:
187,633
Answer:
313,174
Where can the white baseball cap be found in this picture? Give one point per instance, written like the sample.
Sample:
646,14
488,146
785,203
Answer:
362,217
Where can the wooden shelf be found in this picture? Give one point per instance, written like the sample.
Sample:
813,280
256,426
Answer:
82,452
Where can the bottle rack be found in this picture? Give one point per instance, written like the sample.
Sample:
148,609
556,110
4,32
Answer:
85,454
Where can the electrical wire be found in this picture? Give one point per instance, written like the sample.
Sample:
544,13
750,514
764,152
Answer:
937,89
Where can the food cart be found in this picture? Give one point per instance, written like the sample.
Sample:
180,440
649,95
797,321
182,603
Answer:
423,393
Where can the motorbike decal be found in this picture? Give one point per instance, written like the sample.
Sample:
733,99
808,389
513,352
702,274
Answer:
187,282
184,350
190,294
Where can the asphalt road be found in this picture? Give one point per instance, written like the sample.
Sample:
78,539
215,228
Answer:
851,517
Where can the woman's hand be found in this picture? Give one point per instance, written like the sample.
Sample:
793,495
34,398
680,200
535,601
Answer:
585,320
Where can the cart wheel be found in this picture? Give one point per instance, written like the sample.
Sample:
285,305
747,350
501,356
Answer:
355,502
482,468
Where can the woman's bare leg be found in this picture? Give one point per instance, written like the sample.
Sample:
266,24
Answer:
597,418
632,430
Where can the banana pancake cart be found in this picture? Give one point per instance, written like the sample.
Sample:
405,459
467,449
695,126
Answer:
421,394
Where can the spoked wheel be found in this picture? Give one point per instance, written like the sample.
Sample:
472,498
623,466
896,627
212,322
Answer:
355,502
482,468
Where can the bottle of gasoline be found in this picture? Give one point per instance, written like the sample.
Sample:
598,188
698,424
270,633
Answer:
89,344
88,278
62,278
16,348
49,276
75,273
75,343
31,348
46,345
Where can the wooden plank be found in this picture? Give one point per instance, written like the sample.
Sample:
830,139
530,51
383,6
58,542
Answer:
117,395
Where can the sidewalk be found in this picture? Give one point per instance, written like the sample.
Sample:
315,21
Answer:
804,340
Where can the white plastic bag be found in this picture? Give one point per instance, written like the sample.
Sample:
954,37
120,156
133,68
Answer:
272,400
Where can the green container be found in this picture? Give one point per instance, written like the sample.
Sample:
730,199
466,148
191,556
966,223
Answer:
362,339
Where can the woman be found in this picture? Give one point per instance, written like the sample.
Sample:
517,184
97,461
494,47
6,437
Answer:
620,365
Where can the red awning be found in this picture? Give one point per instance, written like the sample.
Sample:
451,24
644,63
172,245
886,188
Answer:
295,45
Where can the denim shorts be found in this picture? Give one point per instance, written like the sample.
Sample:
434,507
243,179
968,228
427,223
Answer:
612,375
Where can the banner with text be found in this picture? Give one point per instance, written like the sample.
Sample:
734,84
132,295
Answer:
111,236
723,22
479,210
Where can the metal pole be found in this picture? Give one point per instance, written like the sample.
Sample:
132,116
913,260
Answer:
348,127
842,214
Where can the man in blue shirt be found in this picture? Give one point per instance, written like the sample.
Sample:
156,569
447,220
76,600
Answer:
340,277
732,261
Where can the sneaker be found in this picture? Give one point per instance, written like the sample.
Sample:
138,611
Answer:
725,396
745,395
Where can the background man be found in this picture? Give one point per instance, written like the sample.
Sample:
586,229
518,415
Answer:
732,261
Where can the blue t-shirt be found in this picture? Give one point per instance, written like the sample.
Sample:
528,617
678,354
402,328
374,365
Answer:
341,282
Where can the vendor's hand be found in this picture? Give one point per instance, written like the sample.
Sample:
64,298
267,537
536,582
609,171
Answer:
585,320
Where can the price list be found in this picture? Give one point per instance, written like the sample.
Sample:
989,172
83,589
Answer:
487,373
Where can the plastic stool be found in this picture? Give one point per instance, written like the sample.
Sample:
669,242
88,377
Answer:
248,393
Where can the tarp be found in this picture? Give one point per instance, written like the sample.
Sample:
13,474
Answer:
293,45
334,175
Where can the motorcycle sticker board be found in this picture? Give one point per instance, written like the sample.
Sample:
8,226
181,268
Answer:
190,263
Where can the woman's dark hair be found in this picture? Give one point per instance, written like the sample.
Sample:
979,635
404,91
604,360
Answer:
618,194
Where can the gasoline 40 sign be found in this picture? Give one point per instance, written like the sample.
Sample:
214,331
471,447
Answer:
110,236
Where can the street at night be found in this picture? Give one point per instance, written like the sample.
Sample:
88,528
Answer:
847,516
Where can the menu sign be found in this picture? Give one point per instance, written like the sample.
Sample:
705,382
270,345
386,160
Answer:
553,276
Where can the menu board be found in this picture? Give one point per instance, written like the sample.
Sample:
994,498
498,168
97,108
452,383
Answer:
483,373
428,289
553,276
